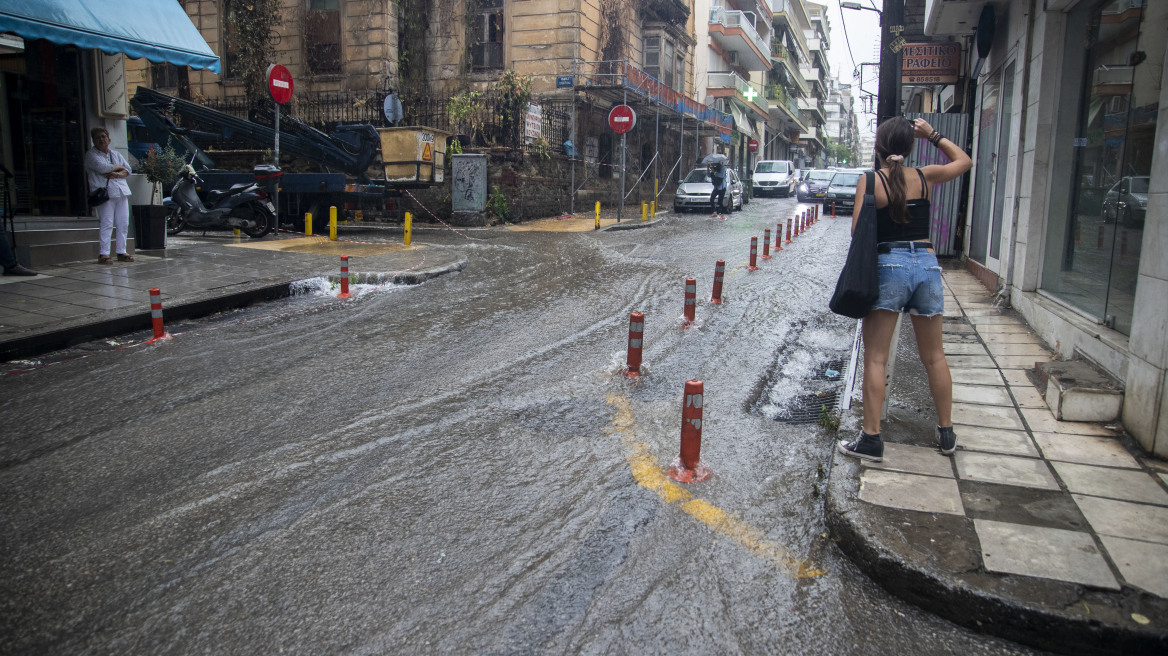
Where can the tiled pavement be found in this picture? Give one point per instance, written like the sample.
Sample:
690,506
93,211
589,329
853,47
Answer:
1035,503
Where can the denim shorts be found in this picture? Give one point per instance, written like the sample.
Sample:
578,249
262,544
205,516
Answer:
910,281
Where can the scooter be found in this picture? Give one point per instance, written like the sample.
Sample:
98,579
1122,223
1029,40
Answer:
245,206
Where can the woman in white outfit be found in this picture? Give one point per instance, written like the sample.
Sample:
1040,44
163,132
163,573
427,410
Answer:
107,168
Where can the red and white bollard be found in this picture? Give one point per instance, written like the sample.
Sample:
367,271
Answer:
833,208
766,244
689,468
691,299
344,277
719,271
789,230
815,212
796,225
636,339
779,236
160,333
753,254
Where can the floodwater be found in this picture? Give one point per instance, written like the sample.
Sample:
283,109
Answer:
457,467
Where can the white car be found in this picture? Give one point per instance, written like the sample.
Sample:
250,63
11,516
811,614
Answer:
694,191
775,176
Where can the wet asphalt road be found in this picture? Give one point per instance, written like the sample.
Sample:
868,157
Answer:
455,468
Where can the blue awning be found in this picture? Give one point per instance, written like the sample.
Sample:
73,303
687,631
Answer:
158,30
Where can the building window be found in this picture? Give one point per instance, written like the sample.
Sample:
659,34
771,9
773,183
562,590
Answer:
665,62
230,47
487,51
1103,168
322,37
164,75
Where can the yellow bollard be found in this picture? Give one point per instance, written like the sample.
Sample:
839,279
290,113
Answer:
653,209
308,223
333,223
644,211
597,215
409,229
235,231
359,215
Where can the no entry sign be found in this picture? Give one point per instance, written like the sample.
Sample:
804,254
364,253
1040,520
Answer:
279,83
622,118
752,145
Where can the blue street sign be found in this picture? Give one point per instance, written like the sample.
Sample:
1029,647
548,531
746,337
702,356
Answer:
563,81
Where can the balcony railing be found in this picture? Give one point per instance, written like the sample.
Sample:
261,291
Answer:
778,93
739,20
742,87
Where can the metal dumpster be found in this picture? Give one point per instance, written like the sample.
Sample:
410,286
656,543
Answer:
413,154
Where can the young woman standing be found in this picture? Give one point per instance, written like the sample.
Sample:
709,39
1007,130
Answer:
910,277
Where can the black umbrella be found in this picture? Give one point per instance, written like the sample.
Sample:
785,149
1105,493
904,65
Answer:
714,158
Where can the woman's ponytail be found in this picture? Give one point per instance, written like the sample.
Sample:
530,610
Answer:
897,192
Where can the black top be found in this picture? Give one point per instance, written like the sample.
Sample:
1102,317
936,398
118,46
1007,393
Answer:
917,213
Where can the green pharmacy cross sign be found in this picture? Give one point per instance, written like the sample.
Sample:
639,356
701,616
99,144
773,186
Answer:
750,94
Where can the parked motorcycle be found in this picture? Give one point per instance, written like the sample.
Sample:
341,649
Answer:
245,206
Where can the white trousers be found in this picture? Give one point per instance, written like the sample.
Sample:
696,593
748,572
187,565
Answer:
115,212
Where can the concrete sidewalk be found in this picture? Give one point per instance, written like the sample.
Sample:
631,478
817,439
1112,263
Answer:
81,301
1048,533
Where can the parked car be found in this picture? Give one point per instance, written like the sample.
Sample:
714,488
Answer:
842,191
1127,201
694,191
775,176
814,186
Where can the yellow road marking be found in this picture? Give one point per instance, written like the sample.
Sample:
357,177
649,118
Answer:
651,477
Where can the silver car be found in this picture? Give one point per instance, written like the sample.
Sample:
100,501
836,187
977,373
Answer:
1127,201
694,191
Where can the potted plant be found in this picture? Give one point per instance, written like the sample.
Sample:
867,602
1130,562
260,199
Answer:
161,167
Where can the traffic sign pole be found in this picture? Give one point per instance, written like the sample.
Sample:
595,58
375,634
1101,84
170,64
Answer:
280,88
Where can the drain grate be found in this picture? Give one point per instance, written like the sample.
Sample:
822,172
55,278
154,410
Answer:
822,390
806,409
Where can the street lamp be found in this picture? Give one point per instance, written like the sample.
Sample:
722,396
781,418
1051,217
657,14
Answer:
856,5
891,42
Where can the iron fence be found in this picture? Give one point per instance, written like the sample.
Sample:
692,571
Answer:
483,125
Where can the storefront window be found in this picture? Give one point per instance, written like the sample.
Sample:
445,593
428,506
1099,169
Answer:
1096,226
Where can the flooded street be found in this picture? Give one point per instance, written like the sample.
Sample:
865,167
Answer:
458,467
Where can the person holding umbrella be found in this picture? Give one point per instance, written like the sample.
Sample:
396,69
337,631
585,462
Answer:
718,178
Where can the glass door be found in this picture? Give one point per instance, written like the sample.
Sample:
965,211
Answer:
1093,251
993,149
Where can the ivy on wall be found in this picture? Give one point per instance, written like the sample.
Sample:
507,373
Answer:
253,26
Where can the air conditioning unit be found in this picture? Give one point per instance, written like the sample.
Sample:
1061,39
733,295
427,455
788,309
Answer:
733,57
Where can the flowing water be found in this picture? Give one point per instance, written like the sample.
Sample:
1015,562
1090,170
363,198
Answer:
457,467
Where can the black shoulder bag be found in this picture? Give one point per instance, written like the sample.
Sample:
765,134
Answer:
101,194
858,286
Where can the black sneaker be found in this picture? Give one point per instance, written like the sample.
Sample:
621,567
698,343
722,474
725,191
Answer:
948,439
865,447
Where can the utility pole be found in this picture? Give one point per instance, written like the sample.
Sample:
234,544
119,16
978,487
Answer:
891,43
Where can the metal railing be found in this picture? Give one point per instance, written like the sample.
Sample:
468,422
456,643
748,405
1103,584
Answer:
738,19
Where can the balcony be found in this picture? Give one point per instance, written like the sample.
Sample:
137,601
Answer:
722,85
814,106
734,32
783,106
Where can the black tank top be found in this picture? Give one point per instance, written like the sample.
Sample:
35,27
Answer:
917,213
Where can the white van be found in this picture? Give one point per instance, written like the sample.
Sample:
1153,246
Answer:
775,176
